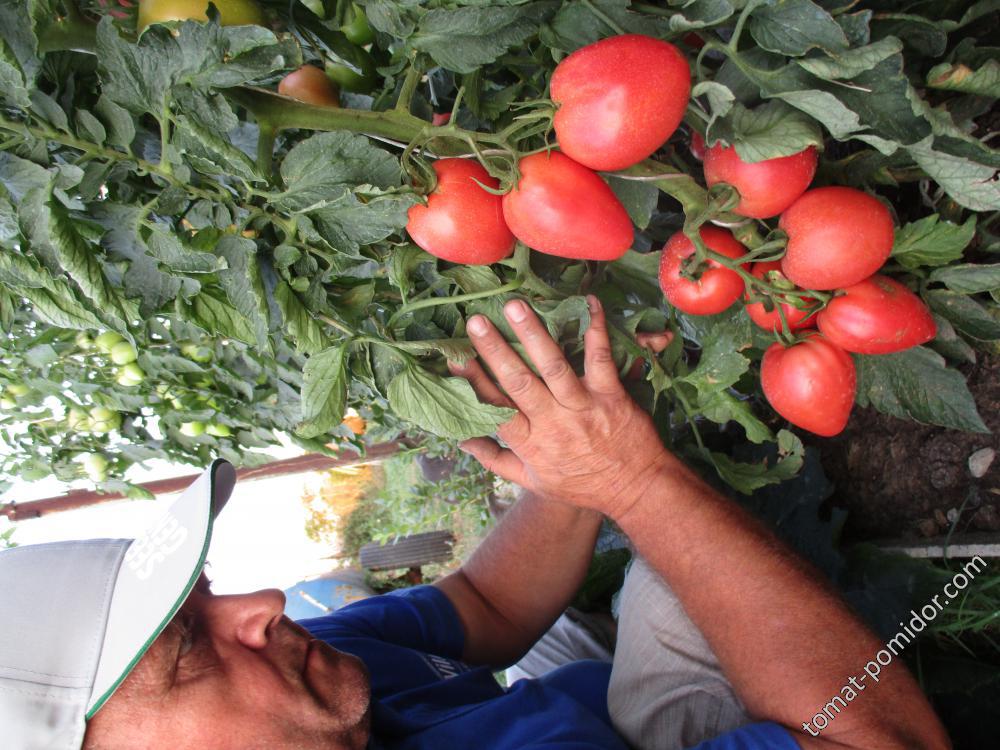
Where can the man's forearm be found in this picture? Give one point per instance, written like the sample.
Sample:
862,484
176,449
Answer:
525,572
786,642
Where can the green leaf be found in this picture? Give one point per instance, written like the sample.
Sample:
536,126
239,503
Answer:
465,39
848,63
210,153
771,130
722,407
447,407
932,242
968,316
169,251
793,27
746,478
89,127
454,350
576,24
969,183
969,278
957,77
637,273
324,392
916,384
298,323
80,261
118,124
244,286
720,99
348,223
320,170
12,88
639,198
20,176
210,312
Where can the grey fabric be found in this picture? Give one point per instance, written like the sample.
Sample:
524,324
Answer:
667,689
55,603
572,637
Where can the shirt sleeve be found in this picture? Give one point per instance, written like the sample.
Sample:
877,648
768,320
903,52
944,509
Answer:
421,618
763,736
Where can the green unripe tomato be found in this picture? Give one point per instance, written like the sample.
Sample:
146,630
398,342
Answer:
197,353
18,389
123,352
300,284
83,341
218,430
103,419
130,375
77,419
33,475
192,429
348,79
6,402
357,30
107,340
95,465
231,12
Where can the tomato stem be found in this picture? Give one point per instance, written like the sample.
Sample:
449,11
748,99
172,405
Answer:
603,16
409,87
434,301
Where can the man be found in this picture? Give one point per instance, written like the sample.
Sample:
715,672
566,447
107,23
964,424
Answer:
413,669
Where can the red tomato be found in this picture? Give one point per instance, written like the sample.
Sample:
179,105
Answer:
718,287
697,145
796,318
877,316
837,236
461,222
309,84
561,208
766,187
619,100
811,384
440,118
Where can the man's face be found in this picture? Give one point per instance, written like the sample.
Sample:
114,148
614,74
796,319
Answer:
233,672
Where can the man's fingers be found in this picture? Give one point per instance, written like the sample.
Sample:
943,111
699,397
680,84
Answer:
494,458
527,392
655,341
545,354
601,375
481,383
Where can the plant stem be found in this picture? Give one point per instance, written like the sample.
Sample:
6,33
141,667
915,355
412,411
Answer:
409,88
749,8
265,150
434,301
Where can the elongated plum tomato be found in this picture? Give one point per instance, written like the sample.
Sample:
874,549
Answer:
311,85
811,384
797,318
619,100
231,12
697,145
561,208
716,289
837,236
877,316
766,187
461,222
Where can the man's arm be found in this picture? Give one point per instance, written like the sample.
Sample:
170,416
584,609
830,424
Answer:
785,641
521,578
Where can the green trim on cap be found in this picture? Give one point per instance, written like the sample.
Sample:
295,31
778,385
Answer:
195,575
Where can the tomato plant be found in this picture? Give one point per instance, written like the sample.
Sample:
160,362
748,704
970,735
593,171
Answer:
561,208
837,236
619,99
811,384
766,187
716,286
160,198
462,222
877,316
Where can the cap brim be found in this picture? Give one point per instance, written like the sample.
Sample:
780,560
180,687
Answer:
157,574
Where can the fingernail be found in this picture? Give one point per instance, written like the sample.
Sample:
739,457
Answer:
593,303
660,340
516,310
476,325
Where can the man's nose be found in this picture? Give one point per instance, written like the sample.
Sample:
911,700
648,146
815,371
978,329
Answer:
251,615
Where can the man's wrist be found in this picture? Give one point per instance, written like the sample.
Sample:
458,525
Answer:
656,482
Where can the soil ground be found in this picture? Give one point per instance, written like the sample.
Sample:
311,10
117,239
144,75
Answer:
899,479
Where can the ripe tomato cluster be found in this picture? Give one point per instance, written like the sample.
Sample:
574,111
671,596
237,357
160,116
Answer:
618,101
838,238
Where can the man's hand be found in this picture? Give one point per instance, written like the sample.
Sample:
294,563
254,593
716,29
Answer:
580,440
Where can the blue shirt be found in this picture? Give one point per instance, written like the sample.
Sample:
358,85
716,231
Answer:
425,698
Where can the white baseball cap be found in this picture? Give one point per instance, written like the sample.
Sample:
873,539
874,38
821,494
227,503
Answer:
76,617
